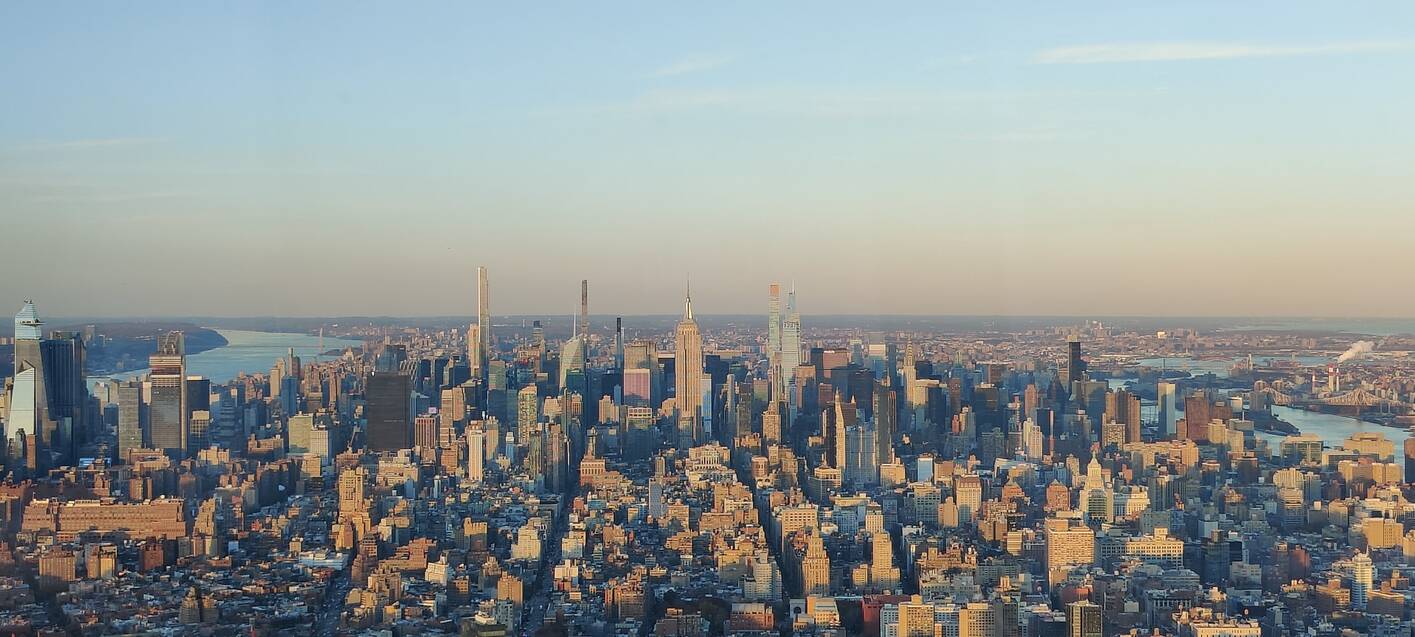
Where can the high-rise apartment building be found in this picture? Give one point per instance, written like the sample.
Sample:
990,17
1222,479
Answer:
1362,578
791,341
483,323
476,453
527,413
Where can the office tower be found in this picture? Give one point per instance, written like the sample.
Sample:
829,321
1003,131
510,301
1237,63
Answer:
637,387
619,343
167,406
1196,417
968,495
198,431
1083,619
815,567
1069,542
883,574
771,424
1166,393
886,415
585,310
1362,577
773,319
1123,407
1075,366
834,421
476,453
861,460
483,320
425,432
791,340
33,419
388,412
67,392
25,409
538,342
688,374
451,414
572,364
298,432
1033,447
1409,446
915,619
130,425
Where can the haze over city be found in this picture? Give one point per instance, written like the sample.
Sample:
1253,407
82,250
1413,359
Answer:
733,320
271,159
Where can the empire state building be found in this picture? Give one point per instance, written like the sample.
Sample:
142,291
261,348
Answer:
688,376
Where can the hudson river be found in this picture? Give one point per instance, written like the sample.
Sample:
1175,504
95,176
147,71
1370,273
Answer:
249,352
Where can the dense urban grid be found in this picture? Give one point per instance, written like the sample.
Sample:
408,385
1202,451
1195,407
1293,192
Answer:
493,479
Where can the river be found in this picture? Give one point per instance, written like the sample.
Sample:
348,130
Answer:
1219,367
249,352
1331,428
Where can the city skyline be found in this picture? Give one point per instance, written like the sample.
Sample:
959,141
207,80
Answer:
944,160
730,320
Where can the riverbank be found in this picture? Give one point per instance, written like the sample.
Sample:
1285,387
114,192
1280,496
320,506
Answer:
251,352
127,346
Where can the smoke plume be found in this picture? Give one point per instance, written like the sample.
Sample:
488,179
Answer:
1356,350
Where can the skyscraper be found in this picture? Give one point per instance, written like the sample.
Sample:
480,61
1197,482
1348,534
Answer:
1362,577
585,310
619,343
1083,619
29,414
773,319
388,412
167,407
791,341
886,415
688,373
130,429
527,412
483,320
476,453
1166,393
572,364
1075,366
64,386
474,350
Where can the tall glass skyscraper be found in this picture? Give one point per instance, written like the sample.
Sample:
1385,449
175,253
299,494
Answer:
167,406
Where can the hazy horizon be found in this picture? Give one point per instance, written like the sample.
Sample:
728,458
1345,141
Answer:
1204,159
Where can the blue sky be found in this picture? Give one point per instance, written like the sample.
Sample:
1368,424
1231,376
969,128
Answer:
1044,158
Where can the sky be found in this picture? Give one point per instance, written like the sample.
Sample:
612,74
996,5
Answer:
326,159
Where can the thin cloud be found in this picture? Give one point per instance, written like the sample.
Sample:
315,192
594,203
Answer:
827,103
1180,51
83,144
695,64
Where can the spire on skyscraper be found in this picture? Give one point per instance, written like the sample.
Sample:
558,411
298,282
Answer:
688,301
